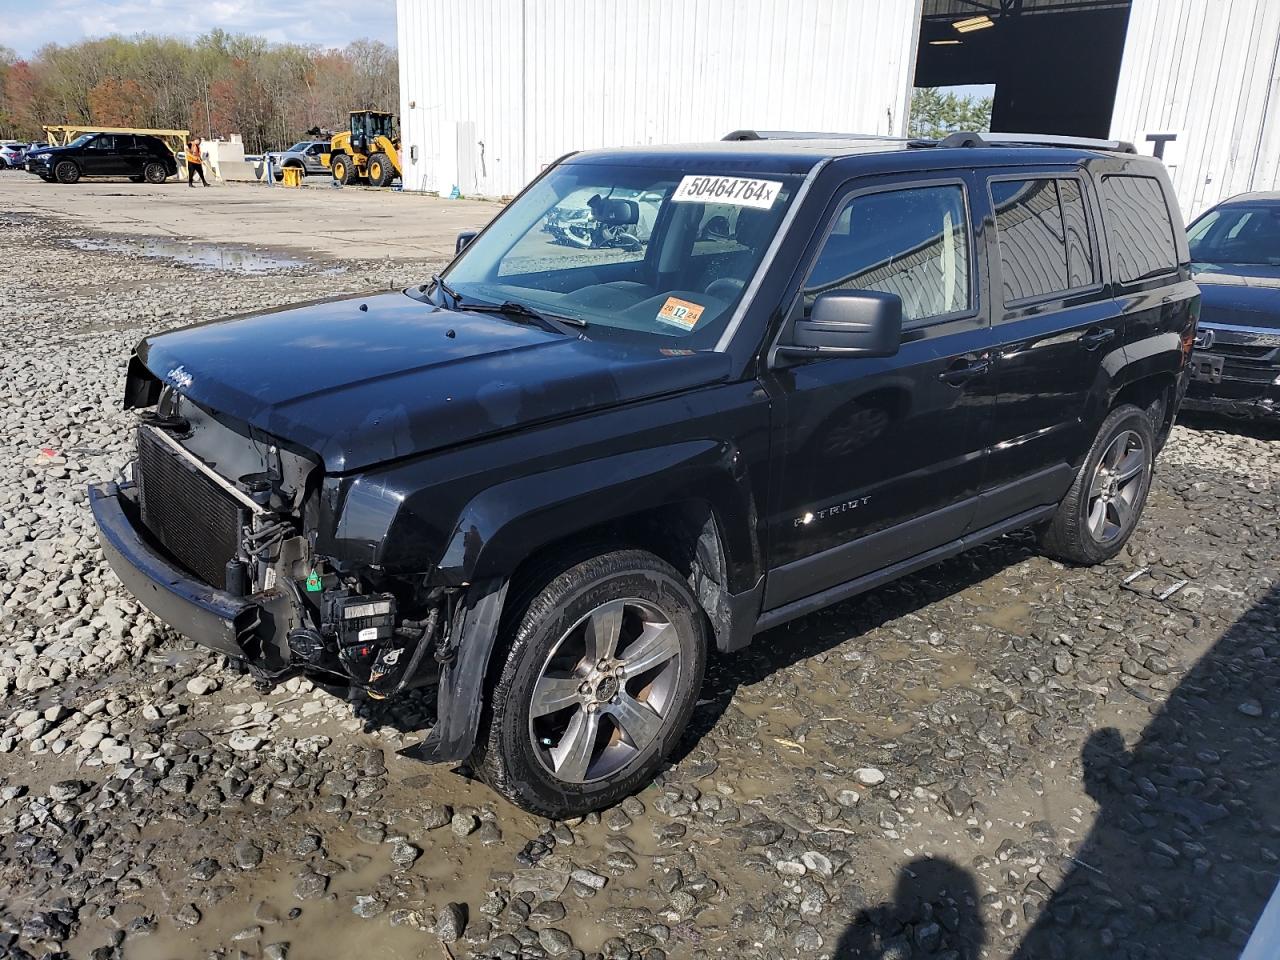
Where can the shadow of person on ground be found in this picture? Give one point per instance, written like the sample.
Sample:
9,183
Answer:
1185,850
934,913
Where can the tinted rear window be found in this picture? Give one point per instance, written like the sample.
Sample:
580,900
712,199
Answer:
1139,228
1043,233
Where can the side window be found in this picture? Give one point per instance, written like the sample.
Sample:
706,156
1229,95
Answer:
104,141
1033,246
912,242
1139,228
1075,223
1043,233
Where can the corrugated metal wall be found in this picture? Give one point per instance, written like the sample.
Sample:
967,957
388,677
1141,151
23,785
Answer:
493,90
1209,71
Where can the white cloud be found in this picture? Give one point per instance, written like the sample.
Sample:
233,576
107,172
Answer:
25,26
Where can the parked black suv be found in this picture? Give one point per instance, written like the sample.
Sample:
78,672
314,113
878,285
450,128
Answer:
137,156
551,479
1235,253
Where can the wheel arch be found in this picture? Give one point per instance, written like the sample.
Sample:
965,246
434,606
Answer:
1157,394
683,505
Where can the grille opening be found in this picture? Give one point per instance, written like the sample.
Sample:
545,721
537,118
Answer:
191,517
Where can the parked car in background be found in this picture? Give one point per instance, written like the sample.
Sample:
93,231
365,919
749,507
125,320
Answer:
305,155
136,156
547,482
1235,253
11,155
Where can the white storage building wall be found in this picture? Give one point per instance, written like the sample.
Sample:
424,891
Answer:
1207,71
494,90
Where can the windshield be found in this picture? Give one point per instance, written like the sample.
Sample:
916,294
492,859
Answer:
299,146
648,253
81,140
1245,234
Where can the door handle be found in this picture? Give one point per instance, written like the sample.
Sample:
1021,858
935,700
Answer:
1095,337
962,371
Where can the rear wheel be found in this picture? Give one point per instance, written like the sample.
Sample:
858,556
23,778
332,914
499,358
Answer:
604,659
1100,511
340,167
381,172
155,173
66,171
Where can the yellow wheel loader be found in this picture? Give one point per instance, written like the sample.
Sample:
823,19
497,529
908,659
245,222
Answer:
368,152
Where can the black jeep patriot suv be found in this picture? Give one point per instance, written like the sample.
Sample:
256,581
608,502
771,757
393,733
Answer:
548,481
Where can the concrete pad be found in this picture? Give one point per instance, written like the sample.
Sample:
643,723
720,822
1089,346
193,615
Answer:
351,223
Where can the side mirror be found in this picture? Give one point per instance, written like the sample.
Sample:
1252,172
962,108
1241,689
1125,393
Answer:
848,323
465,237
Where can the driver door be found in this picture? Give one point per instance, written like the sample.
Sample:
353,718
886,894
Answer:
100,157
881,458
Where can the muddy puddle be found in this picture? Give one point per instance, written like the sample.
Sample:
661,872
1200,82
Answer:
202,256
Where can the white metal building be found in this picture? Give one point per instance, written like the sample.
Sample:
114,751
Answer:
494,90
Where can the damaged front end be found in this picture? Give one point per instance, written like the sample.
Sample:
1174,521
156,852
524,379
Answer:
213,527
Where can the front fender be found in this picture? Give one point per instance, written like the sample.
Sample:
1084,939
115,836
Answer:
511,520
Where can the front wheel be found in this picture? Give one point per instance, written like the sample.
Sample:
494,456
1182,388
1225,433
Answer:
602,666
340,167
1099,513
66,172
381,172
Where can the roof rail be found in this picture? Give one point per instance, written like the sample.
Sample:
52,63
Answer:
800,135
969,139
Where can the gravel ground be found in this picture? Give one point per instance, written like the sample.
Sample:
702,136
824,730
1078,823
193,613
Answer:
998,757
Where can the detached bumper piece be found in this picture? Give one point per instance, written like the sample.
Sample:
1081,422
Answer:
210,617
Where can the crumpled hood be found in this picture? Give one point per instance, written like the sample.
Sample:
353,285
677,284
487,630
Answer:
364,379
1243,294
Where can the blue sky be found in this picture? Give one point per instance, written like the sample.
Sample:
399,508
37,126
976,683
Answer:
26,25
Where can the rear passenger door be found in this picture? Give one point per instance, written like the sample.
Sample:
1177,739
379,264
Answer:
879,459
1058,337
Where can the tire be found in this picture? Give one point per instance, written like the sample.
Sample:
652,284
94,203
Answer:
529,758
1099,513
155,173
381,172
340,167
66,171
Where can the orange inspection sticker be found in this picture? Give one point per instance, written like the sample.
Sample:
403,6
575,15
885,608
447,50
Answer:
680,313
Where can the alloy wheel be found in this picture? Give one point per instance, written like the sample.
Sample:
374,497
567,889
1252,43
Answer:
1116,487
605,691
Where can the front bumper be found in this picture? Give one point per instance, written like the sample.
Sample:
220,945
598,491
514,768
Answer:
213,618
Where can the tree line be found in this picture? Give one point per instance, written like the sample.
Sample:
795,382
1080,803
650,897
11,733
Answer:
219,84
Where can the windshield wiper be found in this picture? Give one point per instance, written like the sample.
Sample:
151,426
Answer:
444,288
521,312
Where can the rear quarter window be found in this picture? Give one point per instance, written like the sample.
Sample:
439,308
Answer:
1139,228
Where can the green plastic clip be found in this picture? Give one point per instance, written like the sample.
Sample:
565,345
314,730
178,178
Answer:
314,584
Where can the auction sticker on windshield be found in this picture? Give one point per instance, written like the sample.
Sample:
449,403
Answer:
736,191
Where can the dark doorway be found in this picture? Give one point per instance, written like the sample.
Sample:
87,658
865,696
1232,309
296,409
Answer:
1055,63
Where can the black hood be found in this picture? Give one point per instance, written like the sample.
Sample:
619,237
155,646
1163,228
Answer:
361,380
1246,295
